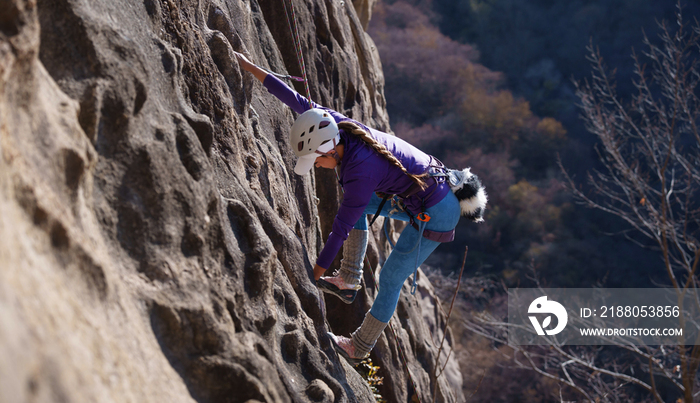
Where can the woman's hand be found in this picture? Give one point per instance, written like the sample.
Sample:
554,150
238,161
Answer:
248,66
243,61
318,272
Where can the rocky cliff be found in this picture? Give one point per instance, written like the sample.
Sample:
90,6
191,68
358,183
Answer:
155,245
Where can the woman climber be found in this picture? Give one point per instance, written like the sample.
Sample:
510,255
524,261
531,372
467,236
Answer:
368,162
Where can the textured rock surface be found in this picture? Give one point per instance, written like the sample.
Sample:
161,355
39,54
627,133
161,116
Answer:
154,244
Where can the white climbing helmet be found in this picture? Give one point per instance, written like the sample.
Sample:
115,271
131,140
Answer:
311,135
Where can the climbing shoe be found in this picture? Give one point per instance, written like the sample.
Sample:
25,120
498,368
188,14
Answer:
344,347
338,287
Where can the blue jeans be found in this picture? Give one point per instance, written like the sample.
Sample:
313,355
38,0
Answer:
400,264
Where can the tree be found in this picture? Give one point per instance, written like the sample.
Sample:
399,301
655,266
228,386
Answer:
650,178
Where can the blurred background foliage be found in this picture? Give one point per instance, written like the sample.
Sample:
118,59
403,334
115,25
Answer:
488,84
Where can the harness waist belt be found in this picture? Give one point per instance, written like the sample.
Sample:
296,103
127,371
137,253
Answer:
437,236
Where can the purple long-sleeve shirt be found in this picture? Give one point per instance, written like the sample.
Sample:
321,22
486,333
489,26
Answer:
363,171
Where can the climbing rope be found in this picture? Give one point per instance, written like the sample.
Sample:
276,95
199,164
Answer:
292,22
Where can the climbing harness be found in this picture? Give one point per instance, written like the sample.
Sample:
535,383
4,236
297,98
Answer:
468,190
292,22
419,222
437,236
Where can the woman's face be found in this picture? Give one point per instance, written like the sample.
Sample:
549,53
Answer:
326,161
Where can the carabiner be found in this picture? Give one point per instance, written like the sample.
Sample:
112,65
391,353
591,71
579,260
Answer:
423,217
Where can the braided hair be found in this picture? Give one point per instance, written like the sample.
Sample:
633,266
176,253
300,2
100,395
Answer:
356,130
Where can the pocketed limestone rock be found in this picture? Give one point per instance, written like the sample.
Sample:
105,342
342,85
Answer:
155,244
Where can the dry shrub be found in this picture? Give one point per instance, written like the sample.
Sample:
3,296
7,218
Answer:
488,370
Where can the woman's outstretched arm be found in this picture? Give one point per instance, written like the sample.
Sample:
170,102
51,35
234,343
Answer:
282,91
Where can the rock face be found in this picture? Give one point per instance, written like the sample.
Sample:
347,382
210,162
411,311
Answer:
155,245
